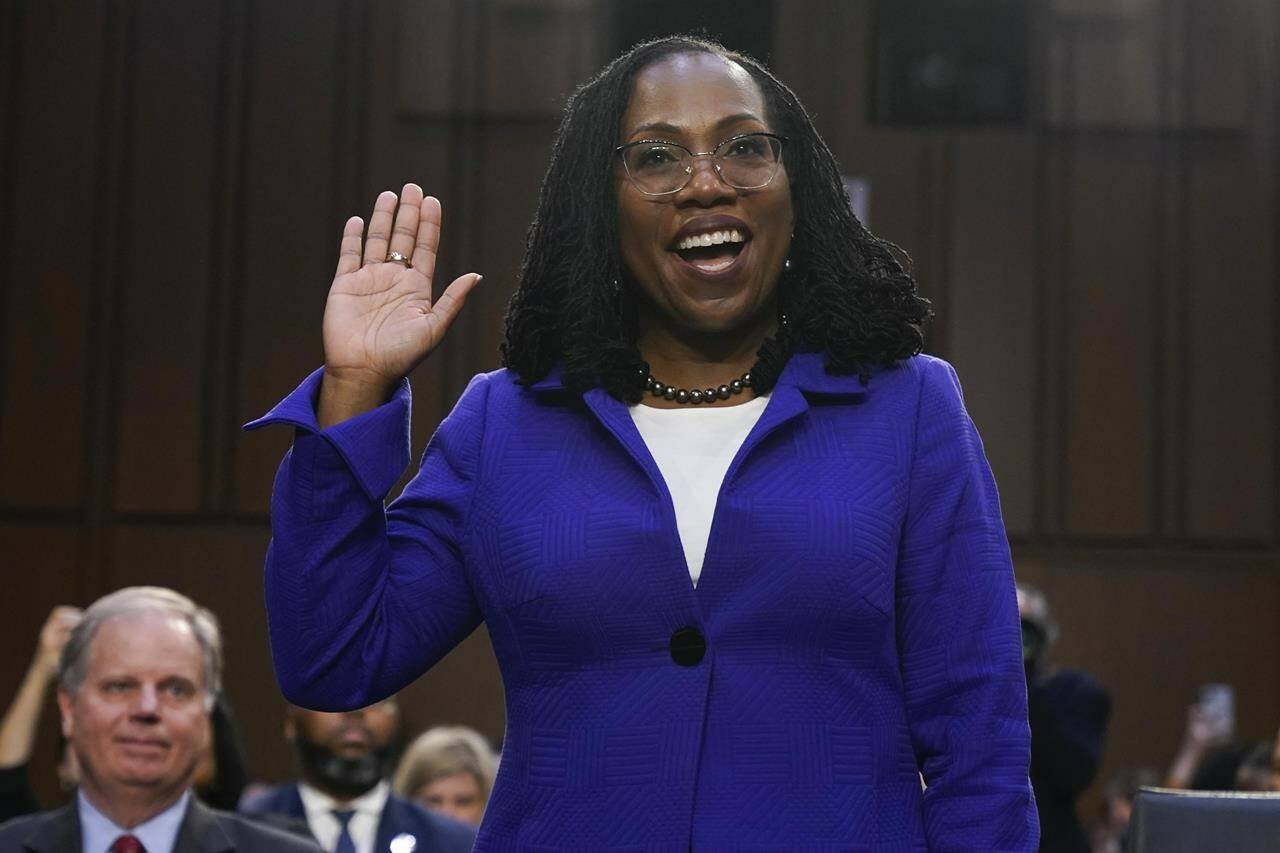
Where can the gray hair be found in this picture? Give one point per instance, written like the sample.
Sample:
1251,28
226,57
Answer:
134,600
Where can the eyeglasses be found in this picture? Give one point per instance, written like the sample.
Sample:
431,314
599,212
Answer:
745,162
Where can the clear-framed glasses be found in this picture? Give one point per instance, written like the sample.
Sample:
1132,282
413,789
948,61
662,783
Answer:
748,161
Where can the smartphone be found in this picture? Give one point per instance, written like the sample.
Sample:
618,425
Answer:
1219,702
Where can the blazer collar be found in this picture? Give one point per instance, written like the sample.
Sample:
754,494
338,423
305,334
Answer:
55,831
804,370
201,832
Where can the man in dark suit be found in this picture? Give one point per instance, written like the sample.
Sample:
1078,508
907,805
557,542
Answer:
136,683
343,799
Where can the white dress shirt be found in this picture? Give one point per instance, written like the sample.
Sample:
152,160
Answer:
694,448
364,823
158,834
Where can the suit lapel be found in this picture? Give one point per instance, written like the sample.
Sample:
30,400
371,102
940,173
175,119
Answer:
58,832
393,823
200,832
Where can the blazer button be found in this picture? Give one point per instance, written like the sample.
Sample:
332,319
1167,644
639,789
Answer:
688,646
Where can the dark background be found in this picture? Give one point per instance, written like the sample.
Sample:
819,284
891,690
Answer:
1089,189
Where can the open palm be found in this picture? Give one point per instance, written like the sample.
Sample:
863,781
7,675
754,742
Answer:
380,319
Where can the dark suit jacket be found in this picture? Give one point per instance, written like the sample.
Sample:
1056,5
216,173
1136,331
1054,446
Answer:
432,833
1068,713
203,830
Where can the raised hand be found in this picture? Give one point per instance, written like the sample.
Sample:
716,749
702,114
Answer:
54,635
380,320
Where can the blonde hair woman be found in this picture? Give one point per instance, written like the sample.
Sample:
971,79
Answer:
449,769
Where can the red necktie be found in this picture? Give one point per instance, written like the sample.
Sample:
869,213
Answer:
127,844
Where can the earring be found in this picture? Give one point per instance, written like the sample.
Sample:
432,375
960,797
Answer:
786,265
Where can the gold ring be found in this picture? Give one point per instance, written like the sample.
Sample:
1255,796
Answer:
398,258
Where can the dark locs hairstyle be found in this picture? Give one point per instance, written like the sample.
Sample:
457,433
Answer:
846,294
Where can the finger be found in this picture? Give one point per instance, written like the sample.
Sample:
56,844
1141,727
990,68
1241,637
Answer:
428,239
349,249
446,308
375,246
405,231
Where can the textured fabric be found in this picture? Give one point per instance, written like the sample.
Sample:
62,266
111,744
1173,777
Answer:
693,448
127,844
401,819
856,602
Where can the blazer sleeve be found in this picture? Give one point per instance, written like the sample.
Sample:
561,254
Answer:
959,640
362,600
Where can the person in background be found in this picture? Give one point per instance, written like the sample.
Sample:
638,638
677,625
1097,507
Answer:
1068,713
18,728
220,777
449,769
343,800
1115,809
137,681
1208,757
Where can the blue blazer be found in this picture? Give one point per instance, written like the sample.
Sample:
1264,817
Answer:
854,628
432,833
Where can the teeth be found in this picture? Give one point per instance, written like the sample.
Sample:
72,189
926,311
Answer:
711,238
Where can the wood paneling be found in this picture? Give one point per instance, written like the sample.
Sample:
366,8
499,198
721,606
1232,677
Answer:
165,257
992,308
1230,386
1106,302
57,201
291,228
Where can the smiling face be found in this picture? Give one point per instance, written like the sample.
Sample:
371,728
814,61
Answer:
138,723
699,100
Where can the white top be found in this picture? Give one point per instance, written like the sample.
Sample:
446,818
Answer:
363,827
693,448
158,834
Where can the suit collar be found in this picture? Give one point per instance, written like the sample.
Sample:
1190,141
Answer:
805,370
57,831
397,819
201,832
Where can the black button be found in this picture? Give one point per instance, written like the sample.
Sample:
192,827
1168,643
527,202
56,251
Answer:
688,646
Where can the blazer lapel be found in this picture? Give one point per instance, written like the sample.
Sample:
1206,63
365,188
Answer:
392,824
58,832
200,832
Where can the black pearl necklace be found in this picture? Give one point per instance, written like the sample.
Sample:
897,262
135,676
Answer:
696,396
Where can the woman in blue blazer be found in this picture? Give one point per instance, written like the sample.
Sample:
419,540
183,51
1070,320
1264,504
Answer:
736,543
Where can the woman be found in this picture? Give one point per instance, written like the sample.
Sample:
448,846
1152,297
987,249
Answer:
448,769
850,626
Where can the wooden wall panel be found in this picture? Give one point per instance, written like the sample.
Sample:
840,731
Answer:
1224,41
291,228
843,41
430,55
45,561
1108,303
1232,377
54,253
992,305
167,256
535,54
